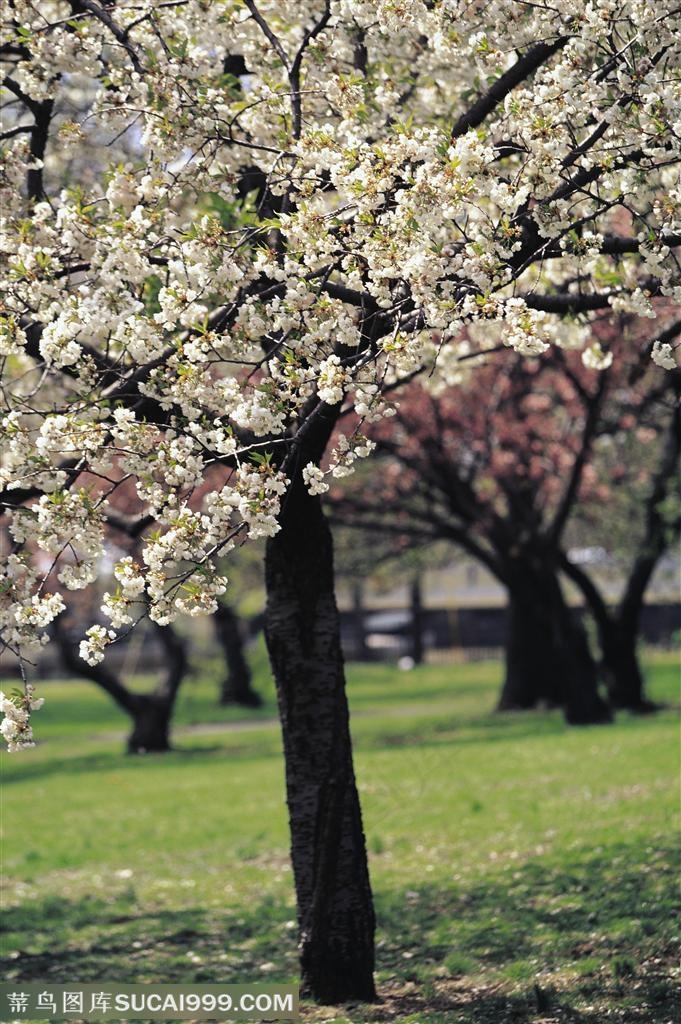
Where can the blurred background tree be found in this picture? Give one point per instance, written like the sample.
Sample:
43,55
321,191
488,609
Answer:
514,468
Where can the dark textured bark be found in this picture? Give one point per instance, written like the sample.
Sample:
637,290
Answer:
416,621
236,686
335,908
43,115
548,656
151,714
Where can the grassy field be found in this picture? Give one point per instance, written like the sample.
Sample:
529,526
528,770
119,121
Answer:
523,871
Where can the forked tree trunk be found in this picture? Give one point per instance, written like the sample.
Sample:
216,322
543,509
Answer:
236,686
548,656
335,907
151,714
618,631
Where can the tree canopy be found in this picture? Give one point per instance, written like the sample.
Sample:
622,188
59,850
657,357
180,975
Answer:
228,222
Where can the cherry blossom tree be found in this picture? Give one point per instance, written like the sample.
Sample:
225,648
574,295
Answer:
225,223
490,468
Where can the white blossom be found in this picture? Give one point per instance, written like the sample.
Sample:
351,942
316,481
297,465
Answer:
173,324
663,355
15,727
594,358
92,649
331,380
314,479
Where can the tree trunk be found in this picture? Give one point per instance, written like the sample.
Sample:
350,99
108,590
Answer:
621,668
151,714
617,636
151,725
236,686
416,621
547,656
532,676
618,631
583,704
335,908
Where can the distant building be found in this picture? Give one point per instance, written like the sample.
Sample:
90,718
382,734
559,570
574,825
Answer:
465,606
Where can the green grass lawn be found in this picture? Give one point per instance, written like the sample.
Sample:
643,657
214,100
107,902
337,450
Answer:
507,851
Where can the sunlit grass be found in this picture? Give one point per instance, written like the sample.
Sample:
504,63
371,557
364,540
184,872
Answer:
507,851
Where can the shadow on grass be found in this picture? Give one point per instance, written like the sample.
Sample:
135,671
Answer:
93,938
424,736
571,941
593,930
487,729
360,698
370,734
388,734
118,760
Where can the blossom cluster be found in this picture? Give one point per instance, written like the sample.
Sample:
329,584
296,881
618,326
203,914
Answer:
224,222
15,727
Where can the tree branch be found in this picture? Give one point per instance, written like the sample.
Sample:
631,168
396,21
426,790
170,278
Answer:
498,92
588,433
657,529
